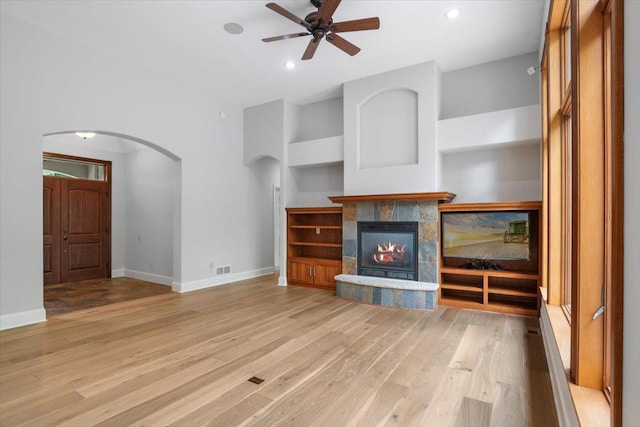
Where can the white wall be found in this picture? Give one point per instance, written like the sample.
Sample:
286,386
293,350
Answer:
49,85
150,179
499,173
631,353
493,86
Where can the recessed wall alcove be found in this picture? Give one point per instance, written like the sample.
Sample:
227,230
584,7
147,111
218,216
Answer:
388,129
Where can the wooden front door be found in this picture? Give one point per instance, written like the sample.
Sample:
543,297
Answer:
76,230
51,230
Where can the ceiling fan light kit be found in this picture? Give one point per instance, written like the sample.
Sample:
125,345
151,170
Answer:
320,25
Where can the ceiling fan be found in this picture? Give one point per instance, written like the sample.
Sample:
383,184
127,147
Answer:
320,25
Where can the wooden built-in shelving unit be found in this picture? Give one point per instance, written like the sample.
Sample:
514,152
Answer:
314,246
502,291
513,289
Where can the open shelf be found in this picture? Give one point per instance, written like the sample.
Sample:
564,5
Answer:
318,244
491,290
314,246
323,227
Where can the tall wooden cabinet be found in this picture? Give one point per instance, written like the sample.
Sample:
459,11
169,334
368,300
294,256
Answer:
314,246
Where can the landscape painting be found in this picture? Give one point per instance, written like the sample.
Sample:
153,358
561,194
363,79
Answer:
499,235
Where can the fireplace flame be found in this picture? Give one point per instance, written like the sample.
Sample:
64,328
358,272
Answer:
389,253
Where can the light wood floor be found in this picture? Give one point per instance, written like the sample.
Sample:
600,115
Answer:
185,359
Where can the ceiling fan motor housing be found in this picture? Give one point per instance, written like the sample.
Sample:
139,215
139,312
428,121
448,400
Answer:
312,19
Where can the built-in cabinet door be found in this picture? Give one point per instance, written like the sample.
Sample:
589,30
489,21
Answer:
76,220
324,273
301,271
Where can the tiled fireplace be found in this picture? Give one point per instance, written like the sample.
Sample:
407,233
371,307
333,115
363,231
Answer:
388,249
417,291
424,213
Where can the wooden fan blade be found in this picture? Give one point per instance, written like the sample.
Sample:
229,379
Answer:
356,25
341,43
287,36
311,49
326,10
284,12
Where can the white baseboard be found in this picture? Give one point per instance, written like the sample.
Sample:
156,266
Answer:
565,408
224,279
14,320
117,273
149,277
282,281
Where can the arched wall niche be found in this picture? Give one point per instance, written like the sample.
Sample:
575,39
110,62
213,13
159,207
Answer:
388,129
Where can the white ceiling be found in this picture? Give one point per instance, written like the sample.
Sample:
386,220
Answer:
185,40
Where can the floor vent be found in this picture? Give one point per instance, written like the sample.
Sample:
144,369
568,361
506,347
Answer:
256,380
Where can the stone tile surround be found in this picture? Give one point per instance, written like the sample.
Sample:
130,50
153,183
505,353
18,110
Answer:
423,212
389,292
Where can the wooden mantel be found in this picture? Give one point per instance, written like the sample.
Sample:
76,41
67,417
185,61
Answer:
439,196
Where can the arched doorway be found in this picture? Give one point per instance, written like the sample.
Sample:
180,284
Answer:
145,194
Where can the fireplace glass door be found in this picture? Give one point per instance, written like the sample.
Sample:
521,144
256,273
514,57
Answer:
388,249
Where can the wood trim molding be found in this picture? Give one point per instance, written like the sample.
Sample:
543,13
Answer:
588,219
499,206
75,158
441,197
554,152
544,219
313,210
617,212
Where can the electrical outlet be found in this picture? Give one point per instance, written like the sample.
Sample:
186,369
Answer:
317,230
227,269
219,270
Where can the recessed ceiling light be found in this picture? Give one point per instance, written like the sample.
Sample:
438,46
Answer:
452,13
85,135
290,65
233,28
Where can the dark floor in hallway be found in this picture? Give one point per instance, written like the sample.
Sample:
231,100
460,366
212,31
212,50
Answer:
68,297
